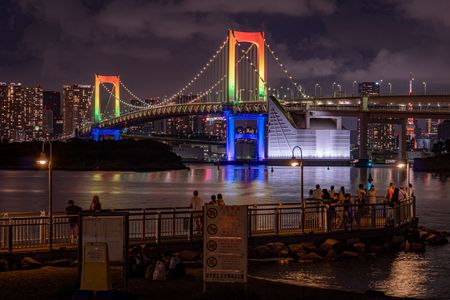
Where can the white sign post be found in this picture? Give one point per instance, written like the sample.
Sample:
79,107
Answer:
225,244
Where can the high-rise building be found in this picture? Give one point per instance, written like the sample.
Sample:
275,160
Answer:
77,107
379,136
52,113
21,112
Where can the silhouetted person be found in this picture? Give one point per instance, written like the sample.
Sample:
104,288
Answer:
95,204
72,211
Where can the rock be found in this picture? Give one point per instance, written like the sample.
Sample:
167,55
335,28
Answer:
29,263
295,247
313,257
298,254
443,234
350,242
263,252
59,263
434,239
417,247
278,249
188,255
375,248
4,265
397,239
405,246
350,254
423,234
359,247
310,247
331,255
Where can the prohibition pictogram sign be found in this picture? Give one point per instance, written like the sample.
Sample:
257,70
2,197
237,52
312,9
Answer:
212,213
211,261
212,229
211,245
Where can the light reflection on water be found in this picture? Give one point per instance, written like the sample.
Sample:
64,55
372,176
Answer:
423,276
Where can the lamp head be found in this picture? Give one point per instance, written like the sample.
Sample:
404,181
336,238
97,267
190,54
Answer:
42,159
401,165
294,162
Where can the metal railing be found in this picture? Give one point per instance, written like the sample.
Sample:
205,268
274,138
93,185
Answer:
166,225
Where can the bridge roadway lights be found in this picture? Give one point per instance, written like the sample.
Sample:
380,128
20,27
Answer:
232,136
96,133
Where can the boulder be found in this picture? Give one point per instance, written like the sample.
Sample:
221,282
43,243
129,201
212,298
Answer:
29,263
310,247
417,247
59,263
329,244
405,246
313,257
423,234
350,242
375,248
4,265
263,252
188,255
278,249
331,255
359,247
295,247
350,254
397,239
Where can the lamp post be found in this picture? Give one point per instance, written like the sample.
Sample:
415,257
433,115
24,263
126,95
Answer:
295,163
332,89
44,161
315,89
406,165
353,87
424,87
390,88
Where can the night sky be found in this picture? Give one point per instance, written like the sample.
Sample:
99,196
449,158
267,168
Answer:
157,46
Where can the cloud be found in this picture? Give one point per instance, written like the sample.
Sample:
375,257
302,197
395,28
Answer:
433,11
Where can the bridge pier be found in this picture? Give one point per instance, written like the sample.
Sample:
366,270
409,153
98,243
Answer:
363,126
259,136
97,133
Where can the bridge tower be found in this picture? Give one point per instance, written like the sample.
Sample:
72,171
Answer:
100,79
234,38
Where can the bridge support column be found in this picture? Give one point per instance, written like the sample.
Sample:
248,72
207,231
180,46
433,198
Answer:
230,135
97,133
260,130
363,124
402,140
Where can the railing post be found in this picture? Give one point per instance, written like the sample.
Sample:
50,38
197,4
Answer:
277,221
143,225
173,223
191,226
42,228
158,228
250,221
10,236
373,208
303,219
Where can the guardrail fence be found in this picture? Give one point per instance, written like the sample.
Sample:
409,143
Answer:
30,231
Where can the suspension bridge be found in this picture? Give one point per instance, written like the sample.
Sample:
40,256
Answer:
234,83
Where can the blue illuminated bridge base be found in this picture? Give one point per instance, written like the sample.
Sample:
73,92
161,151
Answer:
97,133
232,136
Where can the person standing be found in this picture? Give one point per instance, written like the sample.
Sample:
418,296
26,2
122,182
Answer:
410,192
372,195
332,192
95,204
197,207
317,193
72,211
220,201
390,192
213,200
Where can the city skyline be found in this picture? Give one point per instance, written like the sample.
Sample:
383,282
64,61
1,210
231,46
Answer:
52,44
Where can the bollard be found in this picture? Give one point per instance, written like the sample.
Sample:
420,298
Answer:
158,228
277,221
10,236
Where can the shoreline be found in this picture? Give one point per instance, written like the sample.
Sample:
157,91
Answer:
61,282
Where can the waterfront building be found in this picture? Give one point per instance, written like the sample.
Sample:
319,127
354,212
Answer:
215,126
380,136
52,113
444,130
21,112
319,140
77,107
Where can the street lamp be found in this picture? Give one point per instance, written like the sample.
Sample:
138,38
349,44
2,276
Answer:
44,161
295,163
390,88
424,87
332,89
406,165
315,89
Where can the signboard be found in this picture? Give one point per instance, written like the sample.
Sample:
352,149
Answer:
95,274
107,229
225,243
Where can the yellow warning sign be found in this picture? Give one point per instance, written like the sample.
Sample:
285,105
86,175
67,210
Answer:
95,273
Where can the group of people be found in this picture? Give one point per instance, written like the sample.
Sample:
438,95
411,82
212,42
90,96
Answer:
356,207
197,205
73,210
